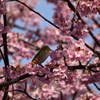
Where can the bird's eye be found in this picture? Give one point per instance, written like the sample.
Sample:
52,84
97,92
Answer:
47,50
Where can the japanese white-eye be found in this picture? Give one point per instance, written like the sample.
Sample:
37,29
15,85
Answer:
42,55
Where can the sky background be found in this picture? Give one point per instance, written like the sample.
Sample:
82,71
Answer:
46,9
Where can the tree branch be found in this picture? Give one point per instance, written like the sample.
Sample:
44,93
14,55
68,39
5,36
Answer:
36,13
25,92
73,9
4,36
84,66
78,15
6,60
37,48
12,81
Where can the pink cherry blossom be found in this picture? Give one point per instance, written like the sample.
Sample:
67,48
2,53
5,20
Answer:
3,7
3,29
58,55
14,44
78,52
80,30
74,59
88,8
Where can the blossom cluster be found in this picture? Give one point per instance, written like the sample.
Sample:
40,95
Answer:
19,10
72,66
88,8
3,7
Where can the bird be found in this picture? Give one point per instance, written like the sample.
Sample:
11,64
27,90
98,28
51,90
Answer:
42,55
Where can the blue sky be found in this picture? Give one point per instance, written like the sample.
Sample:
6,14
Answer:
46,9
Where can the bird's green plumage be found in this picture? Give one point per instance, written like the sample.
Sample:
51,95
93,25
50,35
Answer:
42,55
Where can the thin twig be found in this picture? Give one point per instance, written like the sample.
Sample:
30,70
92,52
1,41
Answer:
23,28
1,77
96,22
1,45
96,52
37,48
90,89
61,95
94,82
73,9
2,54
96,86
78,15
37,13
52,98
74,95
25,92
88,67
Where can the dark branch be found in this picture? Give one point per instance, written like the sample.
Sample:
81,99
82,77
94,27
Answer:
12,81
84,66
4,36
31,44
74,95
36,13
25,92
6,60
80,18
